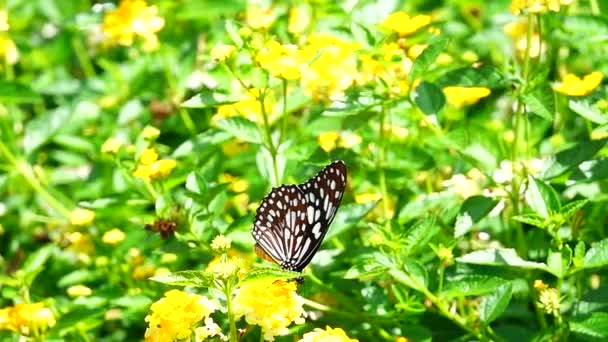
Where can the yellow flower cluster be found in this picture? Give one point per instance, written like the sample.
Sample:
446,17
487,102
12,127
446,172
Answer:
273,305
221,243
258,18
8,49
151,168
174,316
392,68
572,85
113,236
405,25
133,18
280,60
27,319
537,6
464,96
81,217
221,52
332,139
329,334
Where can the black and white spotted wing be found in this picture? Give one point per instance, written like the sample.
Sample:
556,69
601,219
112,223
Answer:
292,220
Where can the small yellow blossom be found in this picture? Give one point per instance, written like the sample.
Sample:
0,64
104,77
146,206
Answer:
221,52
79,291
4,21
249,107
280,60
158,169
111,146
328,140
221,243
415,50
572,85
8,49
133,18
223,270
209,329
27,319
462,185
540,285
298,20
329,334
271,304
464,96
537,6
367,197
258,18
80,243
401,339
349,140
113,236
403,24
174,316
148,156
81,217
168,258
549,301
150,133
142,272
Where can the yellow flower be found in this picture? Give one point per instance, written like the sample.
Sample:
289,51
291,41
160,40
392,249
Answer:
148,156
81,244
221,52
415,50
249,107
574,86
328,140
367,197
331,67
298,20
549,301
141,272
111,146
401,23
81,217
537,6
271,304
158,169
280,60
464,96
79,291
462,185
210,329
221,243
112,237
150,133
540,285
4,20
349,140
27,319
133,18
168,258
8,49
329,334
223,269
174,316
258,18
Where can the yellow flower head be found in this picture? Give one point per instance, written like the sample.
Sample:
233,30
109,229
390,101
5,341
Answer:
133,18
401,23
329,334
537,6
8,50
540,285
79,291
81,217
221,243
572,85
329,140
298,20
367,197
27,319
158,169
221,52
273,305
113,237
249,107
4,21
174,316
464,96
150,133
209,329
148,156
549,301
258,18
111,146
280,60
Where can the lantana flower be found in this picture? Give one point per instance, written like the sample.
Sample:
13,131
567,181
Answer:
403,24
572,85
329,334
27,319
465,96
133,18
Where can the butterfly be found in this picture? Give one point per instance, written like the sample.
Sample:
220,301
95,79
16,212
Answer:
292,220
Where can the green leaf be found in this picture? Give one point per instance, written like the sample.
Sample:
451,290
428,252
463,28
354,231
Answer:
241,128
485,76
472,211
595,325
80,276
413,276
541,101
597,255
572,208
39,130
588,111
348,216
571,158
269,273
428,56
429,98
499,257
579,254
208,98
186,278
471,285
585,25
494,304
420,234
558,261
34,264
541,198
363,35
533,220
591,170
366,271
15,93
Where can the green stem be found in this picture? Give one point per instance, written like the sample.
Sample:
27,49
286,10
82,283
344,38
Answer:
284,119
185,116
228,292
26,171
381,162
267,130
8,70
83,57
595,8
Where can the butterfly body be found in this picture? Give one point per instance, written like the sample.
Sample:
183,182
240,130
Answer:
292,220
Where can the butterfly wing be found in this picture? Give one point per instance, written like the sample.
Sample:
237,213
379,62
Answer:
280,225
323,194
